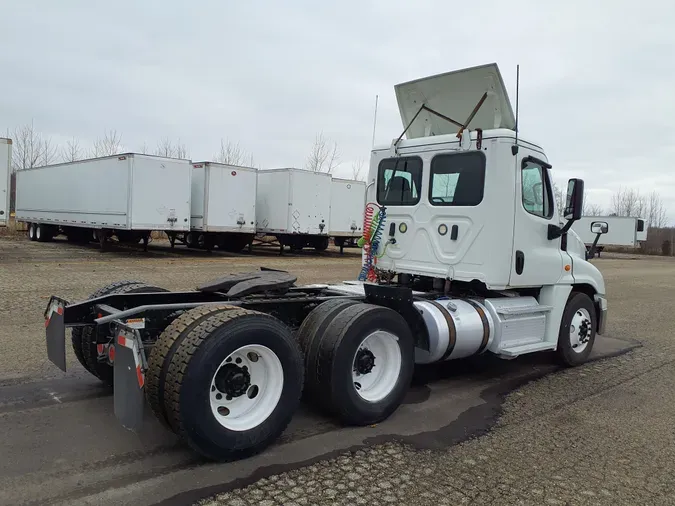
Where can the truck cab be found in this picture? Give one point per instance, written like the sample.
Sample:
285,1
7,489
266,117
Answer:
471,207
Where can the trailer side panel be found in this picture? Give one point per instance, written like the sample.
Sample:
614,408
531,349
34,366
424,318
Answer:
90,193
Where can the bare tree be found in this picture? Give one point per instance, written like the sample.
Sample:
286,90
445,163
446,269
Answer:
357,169
30,149
109,144
627,202
656,215
71,152
594,210
144,150
324,156
232,154
167,148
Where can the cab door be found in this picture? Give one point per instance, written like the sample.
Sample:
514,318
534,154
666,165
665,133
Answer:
536,260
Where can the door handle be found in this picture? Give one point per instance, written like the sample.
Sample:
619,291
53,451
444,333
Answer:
520,262
454,232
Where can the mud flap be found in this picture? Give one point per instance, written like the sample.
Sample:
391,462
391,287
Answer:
129,378
55,330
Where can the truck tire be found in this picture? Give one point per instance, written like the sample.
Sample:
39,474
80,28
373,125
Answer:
104,370
317,323
31,231
162,353
76,335
577,330
364,363
233,384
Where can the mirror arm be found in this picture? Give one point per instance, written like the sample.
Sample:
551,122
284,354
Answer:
554,231
591,252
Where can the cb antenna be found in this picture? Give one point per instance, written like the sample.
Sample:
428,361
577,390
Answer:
514,149
375,121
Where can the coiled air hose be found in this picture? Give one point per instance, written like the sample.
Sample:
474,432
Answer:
373,225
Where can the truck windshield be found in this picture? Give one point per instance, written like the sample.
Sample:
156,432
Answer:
399,181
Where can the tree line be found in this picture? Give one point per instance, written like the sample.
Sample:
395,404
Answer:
32,149
625,202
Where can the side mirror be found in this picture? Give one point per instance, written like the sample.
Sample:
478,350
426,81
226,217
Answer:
599,227
575,199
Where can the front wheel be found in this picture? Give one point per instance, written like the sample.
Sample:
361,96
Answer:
577,330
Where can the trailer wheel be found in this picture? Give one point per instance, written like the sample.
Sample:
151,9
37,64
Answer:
321,244
95,363
233,384
577,330
31,231
363,364
162,354
43,233
233,244
191,240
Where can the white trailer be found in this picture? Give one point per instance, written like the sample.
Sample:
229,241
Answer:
294,206
345,225
622,231
222,207
5,182
127,196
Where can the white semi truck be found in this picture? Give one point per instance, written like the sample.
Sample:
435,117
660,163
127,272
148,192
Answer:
127,196
622,231
453,266
5,181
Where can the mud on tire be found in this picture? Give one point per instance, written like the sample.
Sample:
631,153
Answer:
202,354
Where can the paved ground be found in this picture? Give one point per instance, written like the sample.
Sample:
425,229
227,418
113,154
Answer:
598,434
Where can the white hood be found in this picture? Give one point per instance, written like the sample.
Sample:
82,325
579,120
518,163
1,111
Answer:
455,94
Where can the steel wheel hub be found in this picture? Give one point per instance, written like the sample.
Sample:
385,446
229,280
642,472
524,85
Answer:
364,362
580,330
233,380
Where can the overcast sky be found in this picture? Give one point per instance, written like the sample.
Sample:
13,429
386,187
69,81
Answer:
597,82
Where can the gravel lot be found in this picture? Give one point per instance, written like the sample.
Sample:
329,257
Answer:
598,434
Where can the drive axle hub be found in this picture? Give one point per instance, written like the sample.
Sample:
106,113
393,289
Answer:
365,361
233,380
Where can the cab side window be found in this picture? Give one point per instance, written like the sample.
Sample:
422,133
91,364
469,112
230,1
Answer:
536,190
